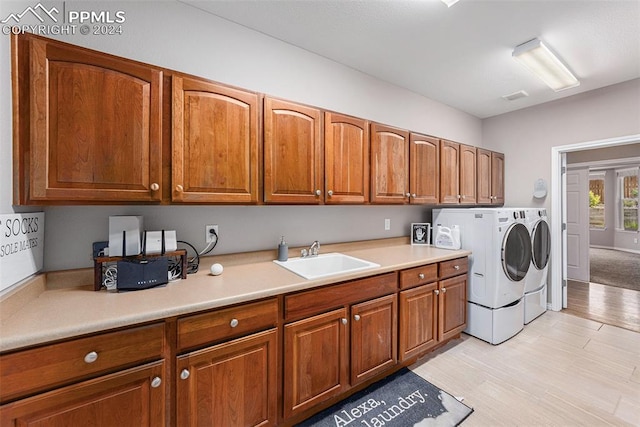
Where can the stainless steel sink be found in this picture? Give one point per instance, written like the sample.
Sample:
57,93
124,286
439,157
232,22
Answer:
324,265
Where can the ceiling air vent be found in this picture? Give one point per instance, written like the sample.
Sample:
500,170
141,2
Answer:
515,95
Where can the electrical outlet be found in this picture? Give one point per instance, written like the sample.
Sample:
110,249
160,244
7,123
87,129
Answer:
209,235
387,224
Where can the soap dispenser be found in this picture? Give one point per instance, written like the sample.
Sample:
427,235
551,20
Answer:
283,250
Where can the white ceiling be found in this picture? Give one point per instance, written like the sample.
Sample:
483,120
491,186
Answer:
460,56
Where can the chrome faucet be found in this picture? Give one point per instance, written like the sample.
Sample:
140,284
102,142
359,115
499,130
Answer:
312,251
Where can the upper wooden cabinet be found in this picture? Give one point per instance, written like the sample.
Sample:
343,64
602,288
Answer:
215,143
457,173
490,177
346,154
467,175
293,167
88,125
389,164
425,169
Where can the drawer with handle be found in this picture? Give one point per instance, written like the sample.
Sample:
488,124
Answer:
453,267
418,276
42,368
216,325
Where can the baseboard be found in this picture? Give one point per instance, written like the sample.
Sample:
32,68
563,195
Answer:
615,249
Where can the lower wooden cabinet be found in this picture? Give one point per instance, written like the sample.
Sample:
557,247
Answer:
230,384
316,357
434,312
373,337
133,397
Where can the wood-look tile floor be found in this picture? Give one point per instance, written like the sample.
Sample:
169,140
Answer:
561,370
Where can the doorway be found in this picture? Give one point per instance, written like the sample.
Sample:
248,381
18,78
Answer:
558,285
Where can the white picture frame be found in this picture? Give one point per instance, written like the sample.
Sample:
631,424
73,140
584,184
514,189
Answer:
421,233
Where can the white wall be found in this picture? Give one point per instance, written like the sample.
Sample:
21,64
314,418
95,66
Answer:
180,37
526,136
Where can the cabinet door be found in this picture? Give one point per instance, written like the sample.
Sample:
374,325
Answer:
293,166
95,126
231,384
467,175
346,145
316,357
497,178
449,172
134,397
418,320
389,165
215,143
373,337
453,307
425,169
483,180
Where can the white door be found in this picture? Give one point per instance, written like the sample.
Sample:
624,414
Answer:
577,202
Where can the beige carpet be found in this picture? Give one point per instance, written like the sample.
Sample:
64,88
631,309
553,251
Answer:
615,268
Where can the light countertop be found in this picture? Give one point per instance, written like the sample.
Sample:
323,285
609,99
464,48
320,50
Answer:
50,311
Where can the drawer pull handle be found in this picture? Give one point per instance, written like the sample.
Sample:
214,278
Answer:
444,290
185,374
234,323
344,321
179,188
408,194
318,192
330,193
421,276
456,267
155,382
437,292
91,357
356,317
155,186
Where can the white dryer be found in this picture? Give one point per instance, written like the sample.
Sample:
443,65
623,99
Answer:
535,286
500,259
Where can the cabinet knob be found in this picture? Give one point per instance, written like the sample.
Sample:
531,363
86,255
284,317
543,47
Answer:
421,276
179,188
437,292
91,357
414,195
330,193
444,290
356,317
408,194
463,196
318,192
234,323
456,267
155,382
185,374
344,321
155,186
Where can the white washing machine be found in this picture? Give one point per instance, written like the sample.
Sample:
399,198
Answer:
535,284
501,257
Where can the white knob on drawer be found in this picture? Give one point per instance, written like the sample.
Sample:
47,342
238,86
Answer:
421,276
414,195
155,382
444,290
437,292
318,192
456,267
408,194
356,317
91,357
330,193
179,188
344,321
234,323
155,186
185,374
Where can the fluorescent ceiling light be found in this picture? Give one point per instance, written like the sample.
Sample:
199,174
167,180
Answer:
449,3
543,63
